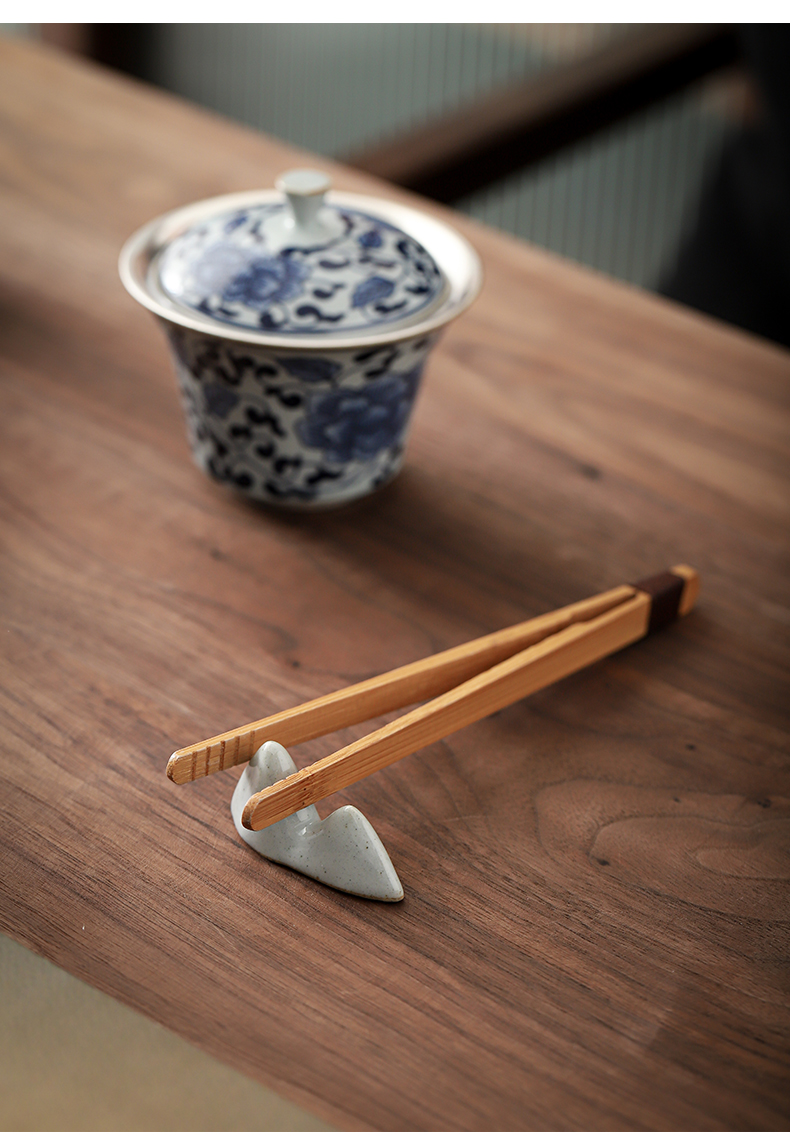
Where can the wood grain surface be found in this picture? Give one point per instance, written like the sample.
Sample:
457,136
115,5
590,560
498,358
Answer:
595,926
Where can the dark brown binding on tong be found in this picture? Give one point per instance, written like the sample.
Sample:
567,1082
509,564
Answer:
665,590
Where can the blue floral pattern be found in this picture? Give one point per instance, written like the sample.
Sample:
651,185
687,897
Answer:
304,431
266,280
356,424
373,289
371,274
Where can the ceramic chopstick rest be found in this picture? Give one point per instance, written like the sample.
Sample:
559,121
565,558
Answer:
343,850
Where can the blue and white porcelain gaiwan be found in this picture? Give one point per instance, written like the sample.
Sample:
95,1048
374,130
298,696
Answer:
300,323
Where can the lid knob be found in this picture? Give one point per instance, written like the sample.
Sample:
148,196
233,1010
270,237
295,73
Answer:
306,223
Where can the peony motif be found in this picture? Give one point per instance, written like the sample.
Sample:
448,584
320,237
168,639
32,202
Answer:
265,281
217,266
357,424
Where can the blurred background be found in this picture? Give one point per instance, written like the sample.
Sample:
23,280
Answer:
657,154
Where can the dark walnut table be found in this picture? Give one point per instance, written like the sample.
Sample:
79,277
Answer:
595,927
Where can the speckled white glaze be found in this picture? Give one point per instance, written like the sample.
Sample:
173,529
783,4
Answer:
343,850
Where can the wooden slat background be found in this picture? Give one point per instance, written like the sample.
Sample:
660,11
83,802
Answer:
595,927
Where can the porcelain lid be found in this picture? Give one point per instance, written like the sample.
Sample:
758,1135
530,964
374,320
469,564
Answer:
300,266
291,271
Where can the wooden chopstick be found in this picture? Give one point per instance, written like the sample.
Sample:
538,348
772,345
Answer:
415,682
557,655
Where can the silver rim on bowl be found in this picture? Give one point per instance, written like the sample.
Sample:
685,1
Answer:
456,258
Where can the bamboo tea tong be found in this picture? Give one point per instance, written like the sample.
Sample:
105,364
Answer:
461,685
